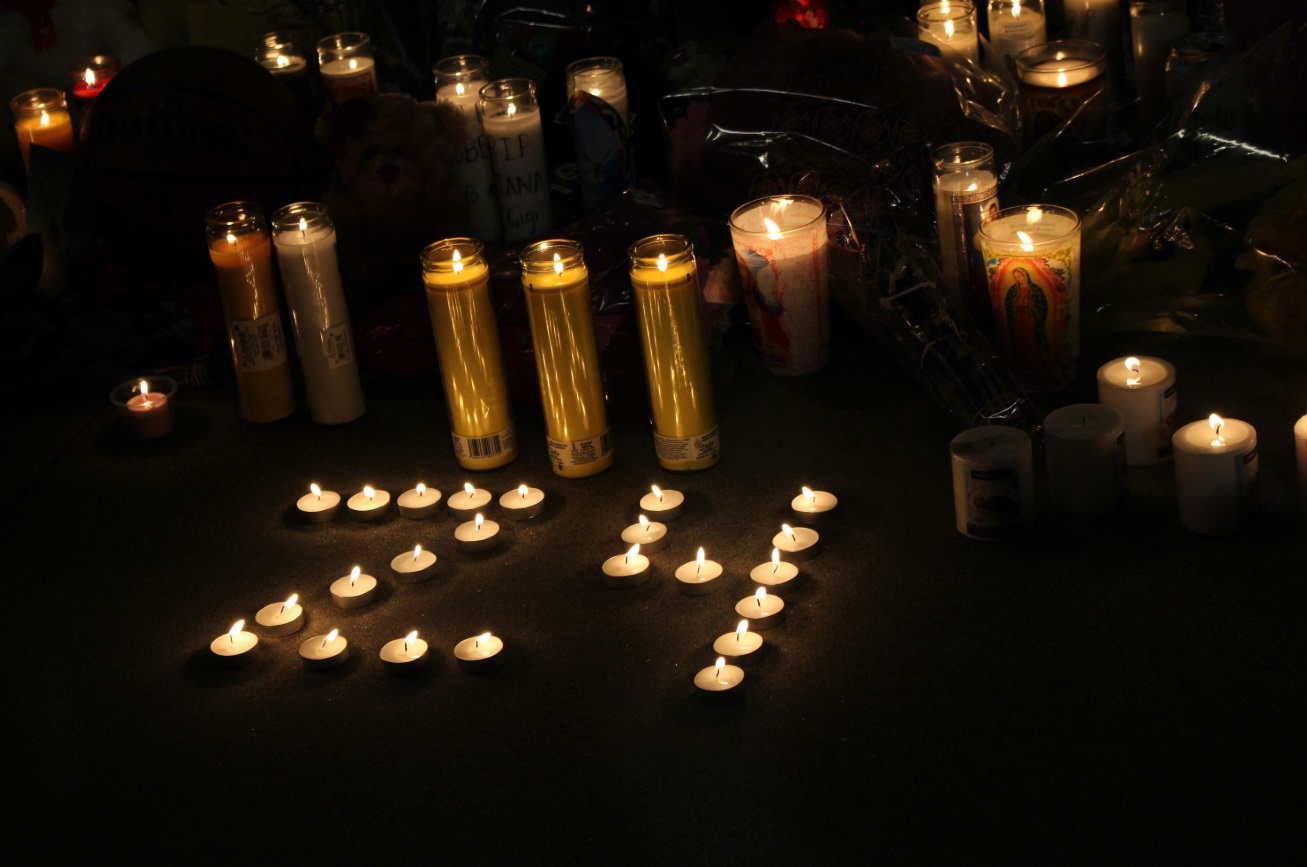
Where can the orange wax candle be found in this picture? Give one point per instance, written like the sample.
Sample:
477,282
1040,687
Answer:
41,117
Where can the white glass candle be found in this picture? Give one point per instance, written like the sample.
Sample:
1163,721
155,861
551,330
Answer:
347,68
510,117
1155,27
596,94
966,189
458,82
781,249
1059,82
1216,474
951,26
1143,389
1015,25
1085,447
1032,258
601,77
993,482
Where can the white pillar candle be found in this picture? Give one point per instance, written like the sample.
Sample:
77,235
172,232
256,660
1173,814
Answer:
781,250
741,647
1085,447
354,590
511,120
324,651
796,544
813,507
1155,27
626,570
1032,259
476,535
1015,25
418,502
720,680
522,503
966,189
777,575
663,504
233,647
368,504
404,655
1216,474
698,576
762,610
1143,389
318,505
993,482
1300,446
347,68
466,503
952,27
458,83
414,567
282,618
480,653
651,536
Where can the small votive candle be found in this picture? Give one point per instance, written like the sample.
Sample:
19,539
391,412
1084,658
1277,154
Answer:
419,502
145,405
318,506
324,651
741,647
762,610
467,502
699,576
414,567
1143,390
813,507
282,618
796,544
523,503
480,653
354,590
1085,447
477,534
720,680
777,576
651,536
626,570
1216,474
368,504
233,648
665,505
404,655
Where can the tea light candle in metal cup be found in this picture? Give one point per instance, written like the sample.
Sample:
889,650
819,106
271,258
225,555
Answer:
699,576
368,504
813,507
718,681
665,505
414,567
404,655
522,503
762,610
282,618
322,652
651,536
480,653
478,534
354,590
234,648
419,502
796,544
318,506
741,647
777,576
626,570
466,503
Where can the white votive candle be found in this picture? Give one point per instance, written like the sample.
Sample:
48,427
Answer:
777,575
368,504
993,482
522,503
414,567
354,590
1216,474
318,506
796,544
404,655
1143,389
626,570
762,610
1300,446
324,651
698,576
813,507
282,618
719,680
467,502
1085,447
233,647
418,502
478,534
479,653
651,536
665,505
741,647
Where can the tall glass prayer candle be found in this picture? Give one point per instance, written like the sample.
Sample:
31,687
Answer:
41,118
557,290
347,67
602,77
951,26
666,287
1097,21
1155,27
1032,257
966,189
306,252
458,82
278,53
596,93
781,250
1058,81
242,255
510,117
467,342
1015,25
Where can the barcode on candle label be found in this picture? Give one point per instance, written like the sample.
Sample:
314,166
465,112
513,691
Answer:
258,343
337,347
686,448
579,453
490,446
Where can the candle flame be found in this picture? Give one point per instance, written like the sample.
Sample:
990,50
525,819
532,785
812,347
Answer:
634,552
948,25
773,230
512,109
775,559
760,596
479,520
458,258
417,551
485,636
810,494
662,262
558,261
1132,364
411,638
353,64
459,89
144,389
89,77
1059,55
45,118
231,239
721,663
1027,242
330,637
741,630
1215,422
304,225
1016,8
235,630
788,531
657,492
1061,78
421,489
282,61
644,523
972,188
522,491
468,489
290,601
354,575
369,492
698,561
315,490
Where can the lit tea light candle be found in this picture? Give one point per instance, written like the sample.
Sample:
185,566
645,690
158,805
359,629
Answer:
651,536
777,576
523,503
1216,474
720,680
664,505
233,648
467,502
813,507
149,412
699,576
404,655
1143,390
414,567
419,502
626,570
282,618
741,647
796,544
354,590
479,653
368,504
762,610
318,505
477,534
324,651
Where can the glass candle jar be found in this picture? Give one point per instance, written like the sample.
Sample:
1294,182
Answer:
510,117
41,118
459,80
951,26
966,189
347,67
1060,81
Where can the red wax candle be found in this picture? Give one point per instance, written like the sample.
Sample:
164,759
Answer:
91,74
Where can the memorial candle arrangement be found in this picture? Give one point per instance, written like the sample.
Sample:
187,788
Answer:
665,283
556,284
596,93
1155,27
1143,390
951,26
510,117
457,281
1015,25
1085,447
306,252
781,250
458,83
1216,474
1060,81
1032,259
347,67
41,118
966,190
242,256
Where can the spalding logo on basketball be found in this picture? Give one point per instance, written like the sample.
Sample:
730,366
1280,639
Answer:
185,129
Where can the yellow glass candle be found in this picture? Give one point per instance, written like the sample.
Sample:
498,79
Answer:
41,118
666,286
241,251
557,288
467,343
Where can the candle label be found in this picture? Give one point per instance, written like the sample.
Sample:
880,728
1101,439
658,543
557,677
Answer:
785,290
966,209
687,448
337,346
579,453
994,503
258,343
1034,302
1166,403
1045,109
478,448
357,85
